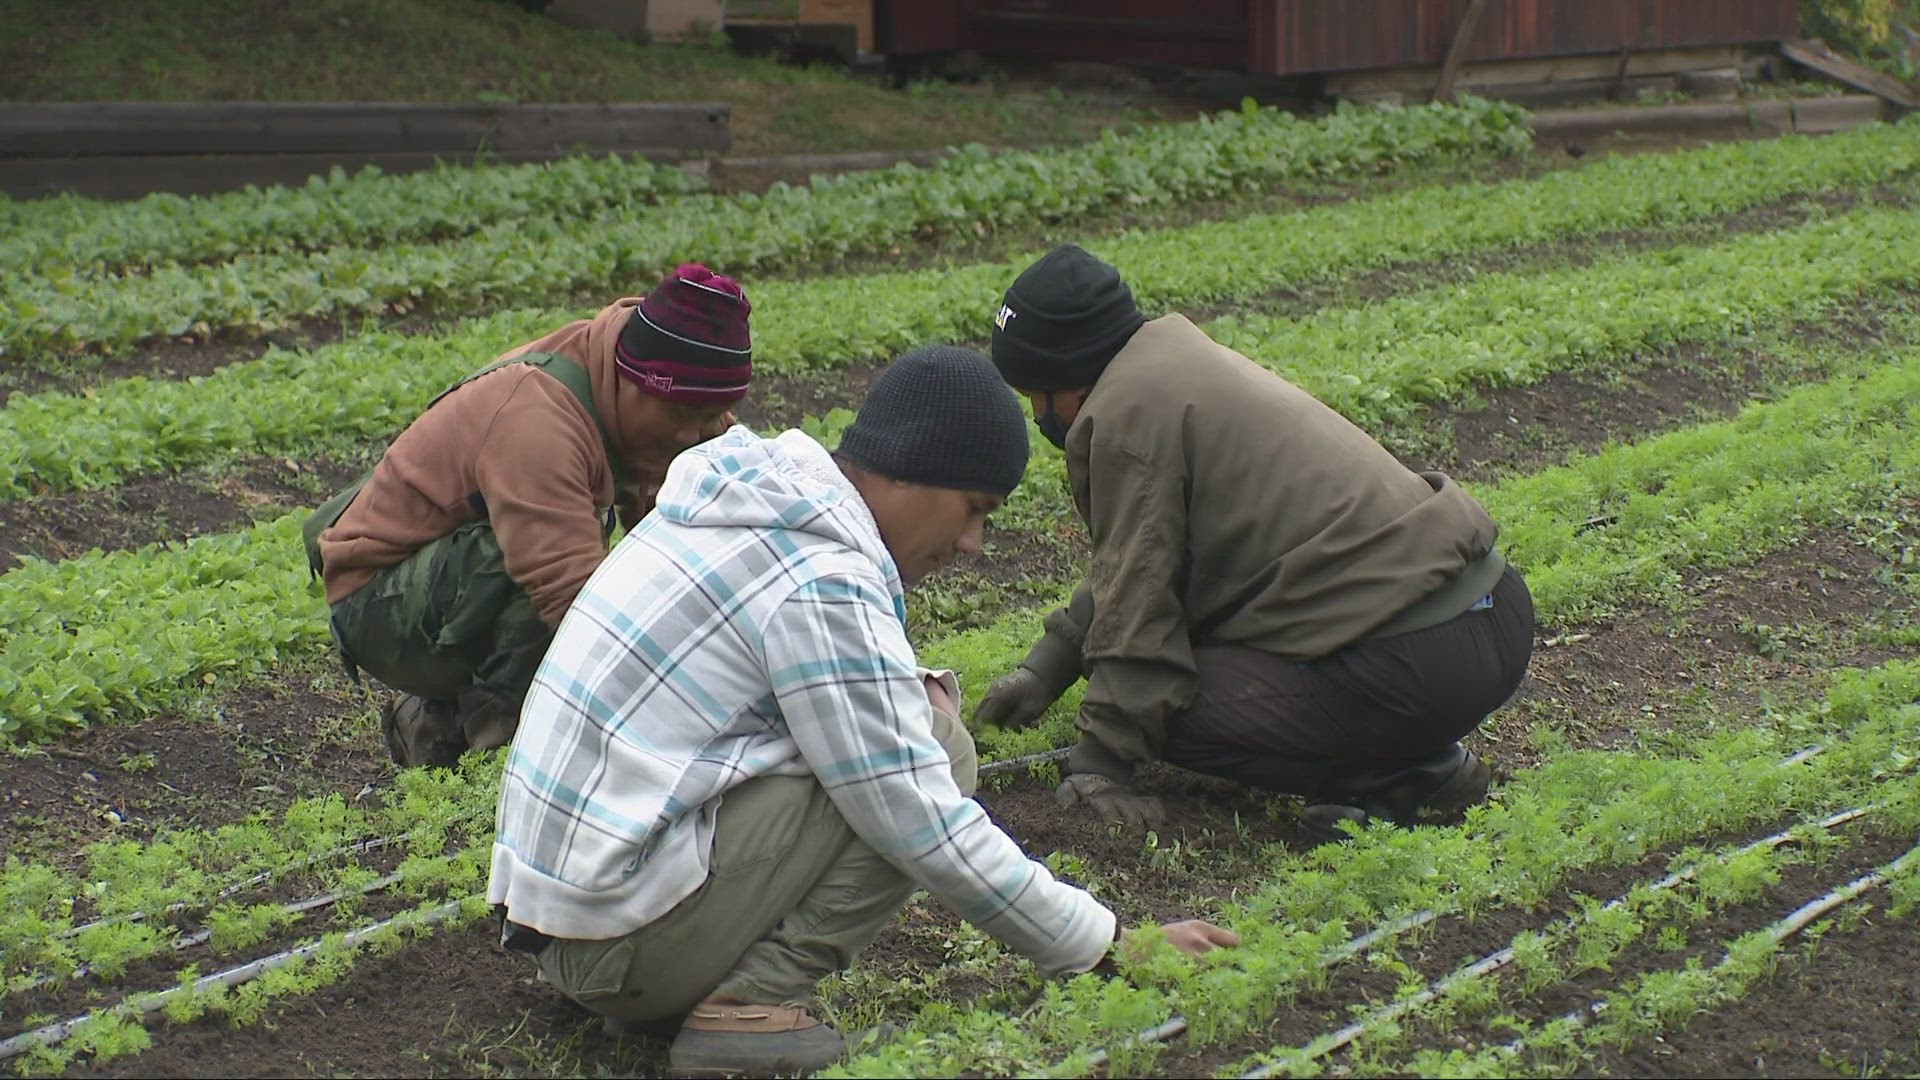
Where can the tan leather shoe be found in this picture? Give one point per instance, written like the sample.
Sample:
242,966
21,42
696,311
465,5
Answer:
728,1039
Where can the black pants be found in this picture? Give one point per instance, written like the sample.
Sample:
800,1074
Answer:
1309,727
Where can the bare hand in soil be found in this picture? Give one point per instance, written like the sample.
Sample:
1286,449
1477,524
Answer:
1197,937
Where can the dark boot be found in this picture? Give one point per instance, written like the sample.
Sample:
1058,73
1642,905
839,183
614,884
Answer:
487,720
422,731
1437,788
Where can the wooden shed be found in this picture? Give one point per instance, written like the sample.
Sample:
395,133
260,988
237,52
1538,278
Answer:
1319,37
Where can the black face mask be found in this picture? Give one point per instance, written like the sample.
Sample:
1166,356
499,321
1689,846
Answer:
1051,426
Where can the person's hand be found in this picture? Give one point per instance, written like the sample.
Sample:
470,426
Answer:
1190,937
1014,700
1118,803
1197,937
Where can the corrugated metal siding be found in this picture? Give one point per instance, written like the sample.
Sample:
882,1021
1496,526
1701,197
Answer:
1291,37
1304,36
905,27
1207,33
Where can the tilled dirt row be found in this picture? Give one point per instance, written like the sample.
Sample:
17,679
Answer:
1848,1008
1455,944
1506,431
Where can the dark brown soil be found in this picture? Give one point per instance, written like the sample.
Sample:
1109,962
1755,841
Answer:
158,508
1772,629
261,747
457,1000
1406,278
1853,1010
777,402
189,355
1523,429
440,1007
1515,430
1458,943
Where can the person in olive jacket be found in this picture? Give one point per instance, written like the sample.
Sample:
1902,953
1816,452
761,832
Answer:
1273,597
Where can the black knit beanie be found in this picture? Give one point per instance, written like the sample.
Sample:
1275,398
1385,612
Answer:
1065,317
941,416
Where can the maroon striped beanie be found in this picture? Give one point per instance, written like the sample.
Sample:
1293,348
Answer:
687,341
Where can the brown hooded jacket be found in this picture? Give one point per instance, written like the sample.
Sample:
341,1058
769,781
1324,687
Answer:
515,447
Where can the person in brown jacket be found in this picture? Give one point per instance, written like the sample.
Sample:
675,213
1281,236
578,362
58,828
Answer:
449,570
1273,597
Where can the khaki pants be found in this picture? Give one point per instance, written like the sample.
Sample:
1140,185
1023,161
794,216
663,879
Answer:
792,896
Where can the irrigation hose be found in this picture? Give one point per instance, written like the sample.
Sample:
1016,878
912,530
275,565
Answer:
1020,762
297,908
153,1002
1794,922
1176,1025
1327,1044
149,1004
358,847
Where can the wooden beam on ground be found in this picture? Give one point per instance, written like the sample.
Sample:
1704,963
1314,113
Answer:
1457,51
1713,118
203,174
1818,57
358,128
1418,79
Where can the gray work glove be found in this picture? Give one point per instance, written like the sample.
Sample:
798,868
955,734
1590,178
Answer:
1015,700
1021,696
1115,801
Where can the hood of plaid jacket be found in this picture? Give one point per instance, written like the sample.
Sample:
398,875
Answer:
785,483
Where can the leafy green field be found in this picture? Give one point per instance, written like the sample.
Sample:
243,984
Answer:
1711,772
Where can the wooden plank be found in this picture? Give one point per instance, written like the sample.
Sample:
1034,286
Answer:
130,177
1816,56
1544,95
1457,50
1807,115
176,128
1556,69
1770,117
1717,116
1817,116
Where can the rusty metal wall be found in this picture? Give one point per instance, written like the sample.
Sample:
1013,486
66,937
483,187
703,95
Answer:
1201,33
1291,37
906,27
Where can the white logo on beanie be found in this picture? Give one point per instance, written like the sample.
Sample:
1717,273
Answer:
1004,317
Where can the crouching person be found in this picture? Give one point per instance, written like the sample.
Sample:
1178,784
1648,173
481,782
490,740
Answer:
449,565
1273,598
730,772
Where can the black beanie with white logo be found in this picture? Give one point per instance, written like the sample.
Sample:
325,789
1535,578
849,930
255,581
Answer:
1064,318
